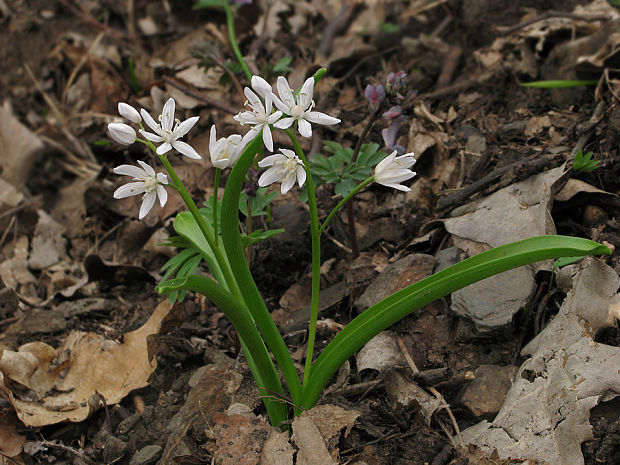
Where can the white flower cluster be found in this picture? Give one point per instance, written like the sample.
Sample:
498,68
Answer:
284,167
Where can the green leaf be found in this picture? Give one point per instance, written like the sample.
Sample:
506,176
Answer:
564,261
331,146
259,235
346,155
558,84
282,65
345,186
390,28
209,4
397,306
366,153
187,269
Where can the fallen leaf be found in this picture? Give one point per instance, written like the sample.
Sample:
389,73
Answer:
66,383
547,409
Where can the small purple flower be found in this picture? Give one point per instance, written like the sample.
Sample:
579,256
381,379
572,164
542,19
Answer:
240,2
375,96
392,113
389,137
395,82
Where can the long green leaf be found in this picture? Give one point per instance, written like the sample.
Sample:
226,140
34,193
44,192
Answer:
392,309
258,357
234,250
185,226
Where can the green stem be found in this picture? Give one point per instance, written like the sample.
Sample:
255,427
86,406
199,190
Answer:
230,25
341,204
216,185
316,254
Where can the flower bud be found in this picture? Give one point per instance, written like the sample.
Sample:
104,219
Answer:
129,112
395,82
122,133
375,96
392,113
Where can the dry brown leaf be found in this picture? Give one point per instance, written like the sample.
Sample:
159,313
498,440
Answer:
11,442
66,384
240,438
19,148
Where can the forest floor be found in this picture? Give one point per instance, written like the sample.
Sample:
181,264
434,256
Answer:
97,368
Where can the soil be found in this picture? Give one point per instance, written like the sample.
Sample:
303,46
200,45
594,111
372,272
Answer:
45,49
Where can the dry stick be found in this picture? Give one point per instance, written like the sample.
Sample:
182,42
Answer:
81,455
61,117
7,230
334,27
79,66
504,31
532,164
434,391
596,118
199,96
85,16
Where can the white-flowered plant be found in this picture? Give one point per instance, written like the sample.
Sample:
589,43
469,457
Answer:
299,109
146,182
169,131
220,247
393,170
261,117
225,151
285,168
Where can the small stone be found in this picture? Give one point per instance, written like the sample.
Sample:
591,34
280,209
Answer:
484,395
400,274
113,449
146,455
593,215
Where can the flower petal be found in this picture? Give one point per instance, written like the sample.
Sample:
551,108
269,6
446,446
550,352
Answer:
167,115
185,149
185,126
150,122
152,137
267,139
288,182
130,170
147,168
162,178
163,148
301,175
286,95
284,123
162,195
147,203
127,190
274,117
270,176
305,129
252,98
261,86
270,160
212,140
246,117
317,117
304,99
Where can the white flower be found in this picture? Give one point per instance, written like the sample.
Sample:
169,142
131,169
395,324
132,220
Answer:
261,87
224,152
129,112
300,109
393,170
146,182
260,116
285,168
122,133
166,133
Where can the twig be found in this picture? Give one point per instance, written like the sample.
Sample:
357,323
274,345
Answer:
89,19
433,391
199,96
7,230
532,164
81,455
334,27
79,66
504,31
